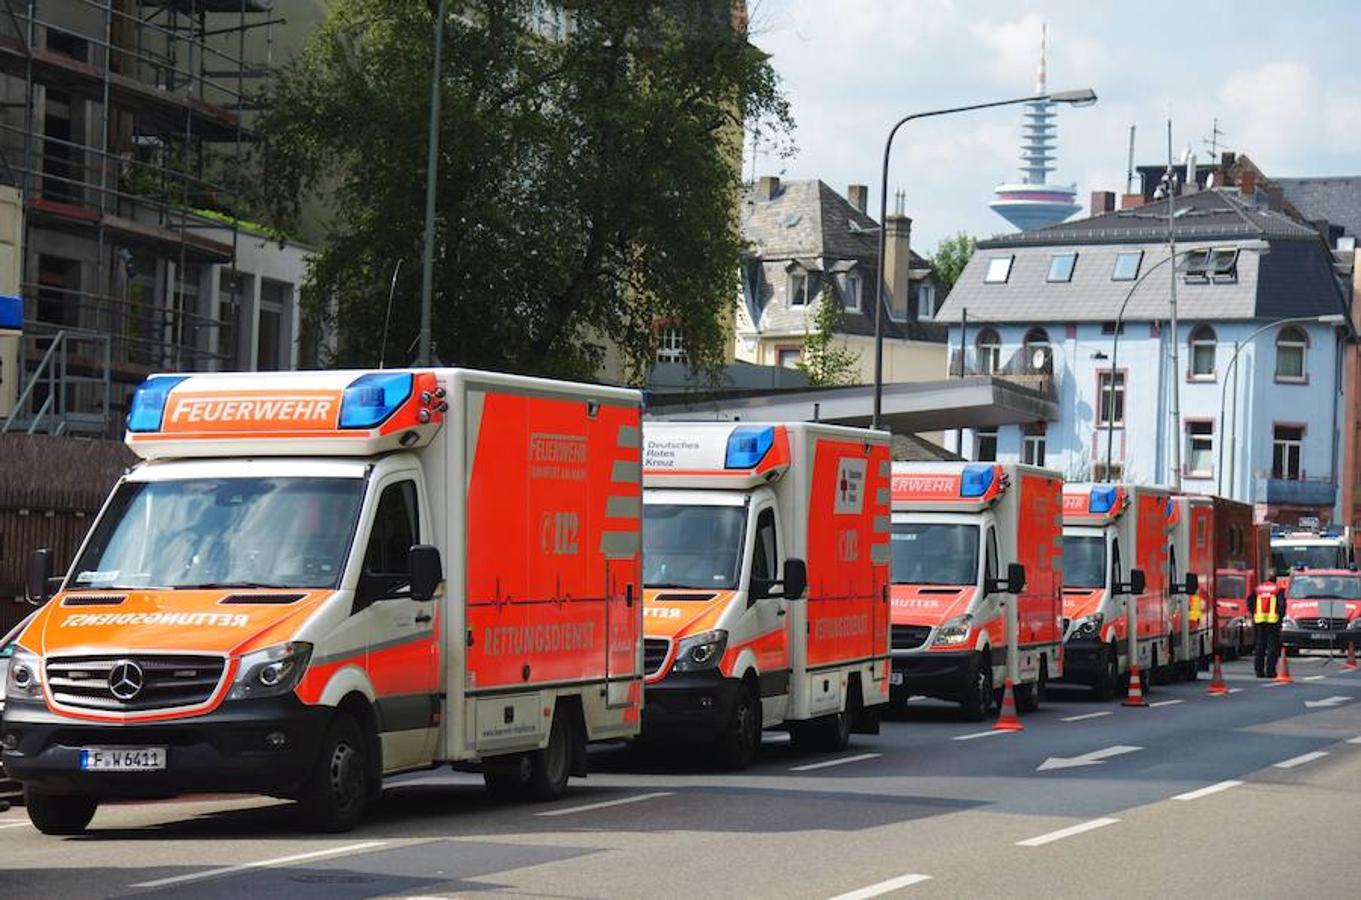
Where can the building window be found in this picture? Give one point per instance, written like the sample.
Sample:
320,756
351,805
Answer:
1204,266
670,345
232,292
926,300
1287,444
1127,265
854,286
1032,445
798,289
1110,401
1203,345
1291,345
1038,351
999,270
1061,267
788,357
989,352
269,348
985,445
1112,328
1200,448
1101,473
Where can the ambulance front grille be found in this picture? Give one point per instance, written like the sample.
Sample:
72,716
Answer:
1322,624
654,654
133,683
910,637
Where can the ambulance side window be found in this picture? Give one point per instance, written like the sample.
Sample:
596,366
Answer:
990,556
765,556
1115,563
395,529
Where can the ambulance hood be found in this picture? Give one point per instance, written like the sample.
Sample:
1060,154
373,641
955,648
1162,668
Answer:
229,622
1323,608
929,604
1079,602
672,613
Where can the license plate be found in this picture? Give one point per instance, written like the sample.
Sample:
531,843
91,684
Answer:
122,759
1321,635
895,678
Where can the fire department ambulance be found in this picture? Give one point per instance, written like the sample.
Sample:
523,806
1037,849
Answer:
740,519
1211,538
977,574
317,579
1115,545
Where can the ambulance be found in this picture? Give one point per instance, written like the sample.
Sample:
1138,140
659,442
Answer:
765,573
977,574
317,579
1212,537
1319,549
1115,546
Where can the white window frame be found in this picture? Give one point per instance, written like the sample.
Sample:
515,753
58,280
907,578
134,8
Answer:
926,301
989,353
1287,446
1033,448
854,293
1206,438
1199,343
670,345
797,296
979,436
1138,264
999,269
1105,378
1302,345
1071,258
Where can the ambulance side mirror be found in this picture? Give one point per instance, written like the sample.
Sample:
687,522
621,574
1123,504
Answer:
39,577
1136,585
1192,582
1014,583
795,578
426,572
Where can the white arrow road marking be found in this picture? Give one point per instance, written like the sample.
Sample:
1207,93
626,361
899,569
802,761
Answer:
1207,791
605,803
1084,716
262,864
883,887
1095,758
1065,832
1301,759
835,762
1330,701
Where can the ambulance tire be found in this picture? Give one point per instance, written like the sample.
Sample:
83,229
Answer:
59,813
977,705
549,767
828,734
736,748
333,798
1030,696
508,782
1108,682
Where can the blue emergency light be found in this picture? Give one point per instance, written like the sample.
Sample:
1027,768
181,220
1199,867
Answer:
148,402
748,445
1102,500
371,398
976,480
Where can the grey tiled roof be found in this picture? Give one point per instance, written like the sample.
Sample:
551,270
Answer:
1336,199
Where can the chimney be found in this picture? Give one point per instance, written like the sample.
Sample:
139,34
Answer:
859,196
1102,202
898,263
1131,201
767,187
1228,158
1247,183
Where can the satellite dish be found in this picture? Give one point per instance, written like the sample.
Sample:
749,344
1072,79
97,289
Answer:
1040,358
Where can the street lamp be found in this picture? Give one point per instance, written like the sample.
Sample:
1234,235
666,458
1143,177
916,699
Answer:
1259,247
1083,97
431,166
1331,319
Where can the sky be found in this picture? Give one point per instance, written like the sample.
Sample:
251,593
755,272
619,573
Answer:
1281,78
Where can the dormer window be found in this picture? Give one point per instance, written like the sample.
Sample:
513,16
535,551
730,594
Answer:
854,290
999,270
798,288
1219,266
1127,265
1061,267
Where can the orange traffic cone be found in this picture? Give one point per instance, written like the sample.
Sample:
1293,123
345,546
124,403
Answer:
1283,672
1007,719
1136,689
1350,664
1217,686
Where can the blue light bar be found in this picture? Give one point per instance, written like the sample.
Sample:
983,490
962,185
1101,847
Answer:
977,480
148,402
1102,500
748,445
371,398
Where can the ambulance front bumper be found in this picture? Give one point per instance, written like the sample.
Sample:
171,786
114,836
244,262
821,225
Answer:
236,748
944,674
1321,640
688,707
1084,660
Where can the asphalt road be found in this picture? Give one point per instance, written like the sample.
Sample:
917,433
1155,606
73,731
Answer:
1254,794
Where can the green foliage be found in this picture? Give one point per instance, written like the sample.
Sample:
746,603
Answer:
586,185
951,255
826,359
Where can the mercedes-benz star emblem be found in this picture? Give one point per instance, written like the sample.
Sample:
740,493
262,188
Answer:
1323,623
125,679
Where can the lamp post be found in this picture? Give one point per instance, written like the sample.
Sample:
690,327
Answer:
431,167
1084,97
1254,246
1332,319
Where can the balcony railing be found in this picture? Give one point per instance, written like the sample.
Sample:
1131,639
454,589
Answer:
1019,369
1292,492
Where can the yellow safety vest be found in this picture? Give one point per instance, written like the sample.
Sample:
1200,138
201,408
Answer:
1197,608
1264,613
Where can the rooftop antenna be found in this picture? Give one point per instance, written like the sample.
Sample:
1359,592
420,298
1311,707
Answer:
1129,164
1213,141
900,202
387,315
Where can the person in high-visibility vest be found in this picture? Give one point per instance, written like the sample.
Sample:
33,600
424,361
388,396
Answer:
1268,609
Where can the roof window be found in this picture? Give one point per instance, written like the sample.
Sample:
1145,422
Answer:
1061,267
999,270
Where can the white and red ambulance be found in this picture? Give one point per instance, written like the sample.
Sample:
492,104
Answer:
738,520
1212,538
977,573
317,579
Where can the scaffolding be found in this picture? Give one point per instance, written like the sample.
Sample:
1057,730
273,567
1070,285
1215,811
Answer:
119,123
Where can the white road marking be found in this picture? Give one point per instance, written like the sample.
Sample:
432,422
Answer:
1095,758
1273,684
825,764
1301,759
1330,701
883,887
1166,703
262,864
1066,833
638,798
1207,791
1313,678
979,734
1235,690
1355,740
13,825
1095,715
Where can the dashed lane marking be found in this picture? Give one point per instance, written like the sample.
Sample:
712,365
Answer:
1068,832
262,864
1275,684
1235,690
1355,740
1313,678
1166,703
1301,759
1207,791
1084,716
883,887
978,734
14,825
637,798
827,764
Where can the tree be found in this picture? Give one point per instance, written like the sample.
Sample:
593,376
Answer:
951,256
587,179
826,360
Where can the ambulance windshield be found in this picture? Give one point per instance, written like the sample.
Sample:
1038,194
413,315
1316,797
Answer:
692,546
1084,561
1231,587
935,553
1324,587
223,532
1308,556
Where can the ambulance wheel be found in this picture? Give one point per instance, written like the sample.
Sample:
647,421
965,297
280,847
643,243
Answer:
829,734
1108,682
59,813
978,704
1030,696
334,797
736,748
549,767
508,781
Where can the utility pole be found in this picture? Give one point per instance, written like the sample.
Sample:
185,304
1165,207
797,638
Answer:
1176,364
431,168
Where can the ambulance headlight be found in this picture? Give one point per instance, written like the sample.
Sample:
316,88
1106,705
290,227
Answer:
1088,626
24,679
271,672
1288,622
954,632
1354,625
700,651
